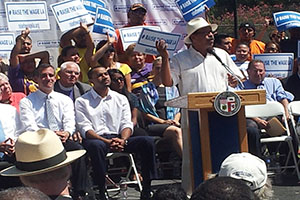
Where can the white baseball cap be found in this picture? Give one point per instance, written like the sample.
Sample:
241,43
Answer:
247,167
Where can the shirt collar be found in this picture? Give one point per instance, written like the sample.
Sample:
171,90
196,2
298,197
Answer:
195,52
95,95
42,95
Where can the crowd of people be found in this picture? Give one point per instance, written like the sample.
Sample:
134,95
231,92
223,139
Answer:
55,119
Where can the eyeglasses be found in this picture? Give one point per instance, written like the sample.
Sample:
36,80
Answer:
71,72
27,43
121,79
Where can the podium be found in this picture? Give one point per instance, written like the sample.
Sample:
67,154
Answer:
213,137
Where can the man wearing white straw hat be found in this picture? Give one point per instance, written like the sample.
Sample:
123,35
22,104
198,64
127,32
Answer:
196,70
43,163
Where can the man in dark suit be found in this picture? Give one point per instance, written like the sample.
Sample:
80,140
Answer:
68,83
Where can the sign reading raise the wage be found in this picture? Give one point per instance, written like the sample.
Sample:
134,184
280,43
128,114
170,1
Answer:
279,65
7,42
91,6
69,14
286,19
148,38
130,35
32,15
192,8
103,23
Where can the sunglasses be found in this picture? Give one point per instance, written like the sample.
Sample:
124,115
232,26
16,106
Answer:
121,79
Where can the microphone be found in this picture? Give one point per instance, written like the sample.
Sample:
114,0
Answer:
212,52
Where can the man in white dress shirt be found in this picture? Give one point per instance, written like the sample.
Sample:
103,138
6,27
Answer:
103,117
9,129
196,70
58,116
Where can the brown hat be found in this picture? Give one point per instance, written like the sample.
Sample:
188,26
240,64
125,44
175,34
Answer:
136,6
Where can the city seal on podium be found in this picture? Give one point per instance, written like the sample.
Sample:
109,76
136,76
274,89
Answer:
227,103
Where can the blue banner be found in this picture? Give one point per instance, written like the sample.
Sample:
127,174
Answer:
286,19
192,8
103,22
91,6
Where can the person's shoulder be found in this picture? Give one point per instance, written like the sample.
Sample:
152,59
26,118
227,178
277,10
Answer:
61,97
7,108
84,86
258,42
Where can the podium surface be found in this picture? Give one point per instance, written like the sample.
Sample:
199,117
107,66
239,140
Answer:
213,137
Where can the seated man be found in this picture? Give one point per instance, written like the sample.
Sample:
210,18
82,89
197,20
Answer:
9,127
8,96
22,64
68,83
103,117
46,108
42,163
274,92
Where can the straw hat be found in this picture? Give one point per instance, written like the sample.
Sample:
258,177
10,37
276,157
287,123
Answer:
195,24
38,152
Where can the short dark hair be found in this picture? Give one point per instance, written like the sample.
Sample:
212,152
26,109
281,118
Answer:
252,62
91,70
223,188
219,38
169,192
40,67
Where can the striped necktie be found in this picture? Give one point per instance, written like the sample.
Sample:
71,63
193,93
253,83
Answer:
52,123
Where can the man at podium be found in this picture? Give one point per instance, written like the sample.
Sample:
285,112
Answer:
201,68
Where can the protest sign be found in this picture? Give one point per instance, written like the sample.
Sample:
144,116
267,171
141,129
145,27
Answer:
130,35
7,42
192,8
22,15
148,38
69,14
103,23
279,65
91,6
286,19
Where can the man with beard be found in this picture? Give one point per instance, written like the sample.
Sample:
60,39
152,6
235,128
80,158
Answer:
196,70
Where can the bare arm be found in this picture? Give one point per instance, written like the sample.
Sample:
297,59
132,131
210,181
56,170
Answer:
128,82
89,44
14,59
134,114
102,50
263,30
285,104
90,134
165,69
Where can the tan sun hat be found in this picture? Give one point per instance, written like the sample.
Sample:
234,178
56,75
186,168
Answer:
195,24
136,6
38,152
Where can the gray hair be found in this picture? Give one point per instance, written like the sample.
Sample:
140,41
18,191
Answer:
65,64
3,77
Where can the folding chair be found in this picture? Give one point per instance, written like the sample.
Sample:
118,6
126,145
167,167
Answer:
110,157
294,111
272,109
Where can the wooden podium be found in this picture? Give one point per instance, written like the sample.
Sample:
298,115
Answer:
213,137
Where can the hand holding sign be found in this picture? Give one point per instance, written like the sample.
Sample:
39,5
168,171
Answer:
161,47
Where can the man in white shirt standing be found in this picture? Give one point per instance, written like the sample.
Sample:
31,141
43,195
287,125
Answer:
103,117
196,70
46,108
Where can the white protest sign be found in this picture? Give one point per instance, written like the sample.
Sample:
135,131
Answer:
279,65
7,42
131,35
69,14
148,38
32,15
